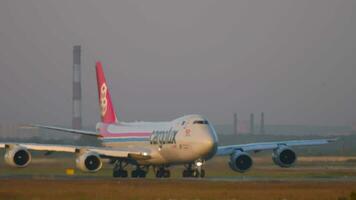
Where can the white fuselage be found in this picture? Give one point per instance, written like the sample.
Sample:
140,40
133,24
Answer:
182,140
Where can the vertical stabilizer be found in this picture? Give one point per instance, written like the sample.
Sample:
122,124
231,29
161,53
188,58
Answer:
107,110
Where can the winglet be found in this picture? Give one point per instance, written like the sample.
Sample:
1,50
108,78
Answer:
107,110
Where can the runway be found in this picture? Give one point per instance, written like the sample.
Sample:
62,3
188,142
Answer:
207,179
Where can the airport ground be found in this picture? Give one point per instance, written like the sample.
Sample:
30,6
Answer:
174,189
313,178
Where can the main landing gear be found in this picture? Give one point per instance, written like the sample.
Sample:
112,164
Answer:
193,173
192,170
119,169
139,172
162,172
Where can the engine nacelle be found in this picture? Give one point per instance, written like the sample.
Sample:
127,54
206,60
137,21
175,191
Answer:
17,156
88,162
284,157
240,161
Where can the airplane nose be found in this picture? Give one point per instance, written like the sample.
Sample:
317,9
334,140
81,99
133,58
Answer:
209,144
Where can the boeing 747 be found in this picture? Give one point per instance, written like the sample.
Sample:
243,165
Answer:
190,140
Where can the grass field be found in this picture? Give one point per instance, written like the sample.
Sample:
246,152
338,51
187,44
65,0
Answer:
312,178
173,189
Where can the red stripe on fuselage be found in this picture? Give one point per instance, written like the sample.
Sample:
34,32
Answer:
139,134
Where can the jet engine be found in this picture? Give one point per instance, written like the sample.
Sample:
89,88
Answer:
284,157
240,161
89,162
17,156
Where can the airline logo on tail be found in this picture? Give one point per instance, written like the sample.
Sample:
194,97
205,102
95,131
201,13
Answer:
103,99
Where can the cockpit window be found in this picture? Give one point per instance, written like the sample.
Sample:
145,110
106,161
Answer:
200,122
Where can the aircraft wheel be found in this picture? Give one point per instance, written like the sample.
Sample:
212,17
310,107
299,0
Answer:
185,174
124,174
159,174
142,174
116,174
134,174
189,172
163,173
166,173
195,173
202,173
119,168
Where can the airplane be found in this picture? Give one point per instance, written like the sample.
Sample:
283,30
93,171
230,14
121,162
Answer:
190,140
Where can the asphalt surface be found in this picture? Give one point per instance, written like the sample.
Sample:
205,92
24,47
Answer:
213,179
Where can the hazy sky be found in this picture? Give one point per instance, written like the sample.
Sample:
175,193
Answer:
293,59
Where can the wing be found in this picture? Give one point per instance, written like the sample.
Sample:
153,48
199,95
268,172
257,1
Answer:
66,130
136,153
124,152
226,150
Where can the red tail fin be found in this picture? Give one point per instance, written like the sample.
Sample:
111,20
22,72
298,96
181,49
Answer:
106,108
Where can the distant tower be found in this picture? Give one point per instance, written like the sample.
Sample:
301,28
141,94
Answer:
252,124
262,128
77,89
235,124
354,127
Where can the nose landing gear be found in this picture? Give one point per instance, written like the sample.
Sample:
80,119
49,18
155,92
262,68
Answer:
195,172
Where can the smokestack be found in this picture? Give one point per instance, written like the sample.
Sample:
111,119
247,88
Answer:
252,124
77,89
354,127
235,123
262,128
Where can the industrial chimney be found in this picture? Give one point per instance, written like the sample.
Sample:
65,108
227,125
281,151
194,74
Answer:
262,124
77,89
252,124
235,124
